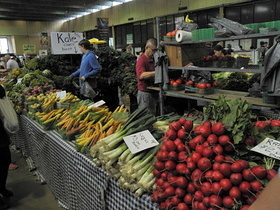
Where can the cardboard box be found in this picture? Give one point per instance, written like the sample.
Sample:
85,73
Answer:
181,55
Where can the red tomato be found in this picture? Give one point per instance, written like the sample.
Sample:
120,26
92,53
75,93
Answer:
179,81
189,82
215,83
208,85
202,85
171,82
175,84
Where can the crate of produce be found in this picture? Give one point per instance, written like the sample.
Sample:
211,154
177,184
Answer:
176,87
205,91
266,30
169,38
190,89
242,62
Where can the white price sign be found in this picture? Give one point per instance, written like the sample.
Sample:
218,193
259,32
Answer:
268,147
61,94
65,42
140,141
97,104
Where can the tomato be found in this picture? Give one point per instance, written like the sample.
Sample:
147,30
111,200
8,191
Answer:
201,85
208,85
171,82
173,33
168,34
179,81
175,84
189,82
215,83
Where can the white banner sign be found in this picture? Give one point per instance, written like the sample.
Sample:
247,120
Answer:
140,141
61,94
97,104
65,42
268,147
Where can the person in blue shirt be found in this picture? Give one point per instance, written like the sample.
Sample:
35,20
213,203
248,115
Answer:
89,65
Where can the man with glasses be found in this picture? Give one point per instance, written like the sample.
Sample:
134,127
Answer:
145,71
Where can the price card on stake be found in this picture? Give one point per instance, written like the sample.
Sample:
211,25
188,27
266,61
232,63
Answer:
61,94
19,80
97,104
140,141
268,147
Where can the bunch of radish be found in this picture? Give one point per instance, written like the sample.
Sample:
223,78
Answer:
261,125
198,174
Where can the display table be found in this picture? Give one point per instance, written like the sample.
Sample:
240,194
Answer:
73,178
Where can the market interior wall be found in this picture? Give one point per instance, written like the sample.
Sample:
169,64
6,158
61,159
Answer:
26,32
140,10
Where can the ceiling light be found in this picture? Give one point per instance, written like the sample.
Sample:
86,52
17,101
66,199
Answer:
116,3
104,6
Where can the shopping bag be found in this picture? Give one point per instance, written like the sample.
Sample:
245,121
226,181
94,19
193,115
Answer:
9,115
87,91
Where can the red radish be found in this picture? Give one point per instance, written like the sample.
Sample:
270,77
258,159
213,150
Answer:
250,142
165,185
270,173
191,188
199,139
259,171
196,157
181,168
206,188
229,159
207,152
164,175
250,200
189,159
218,128
212,139
201,206
234,192
224,140
204,131
170,145
179,192
175,201
199,148
216,188
218,149
181,182
248,175
198,195
188,198
236,178
181,147
206,144
170,165
159,181
175,125
204,163
178,141
217,175
159,165
225,184
156,173
229,148
245,207
191,165
260,125
216,166
173,155
205,201
215,201
256,186
225,169
182,206
163,148
243,163
182,121
197,129
188,125
182,156
192,144
275,123
196,175
207,124
236,167
172,181
209,175
228,202
182,134
219,158
244,187
171,134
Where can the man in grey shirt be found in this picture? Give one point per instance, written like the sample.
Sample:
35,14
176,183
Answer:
11,63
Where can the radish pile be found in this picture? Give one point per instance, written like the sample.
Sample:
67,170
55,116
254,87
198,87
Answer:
199,174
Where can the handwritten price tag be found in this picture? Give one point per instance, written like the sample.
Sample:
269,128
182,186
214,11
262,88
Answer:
140,141
268,147
61,94
97,104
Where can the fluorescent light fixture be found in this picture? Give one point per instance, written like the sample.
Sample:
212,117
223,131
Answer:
125,1
116,3
104,7
94,10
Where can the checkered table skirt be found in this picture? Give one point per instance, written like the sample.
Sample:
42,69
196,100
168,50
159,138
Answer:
73,178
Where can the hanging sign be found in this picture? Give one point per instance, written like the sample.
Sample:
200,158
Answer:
268,147
65,42
140,141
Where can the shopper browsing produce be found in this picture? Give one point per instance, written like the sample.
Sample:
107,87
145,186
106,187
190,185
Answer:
89,66
219,51
11,63
145,70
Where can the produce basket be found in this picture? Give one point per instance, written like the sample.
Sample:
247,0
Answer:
205,91
190,89
178,87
